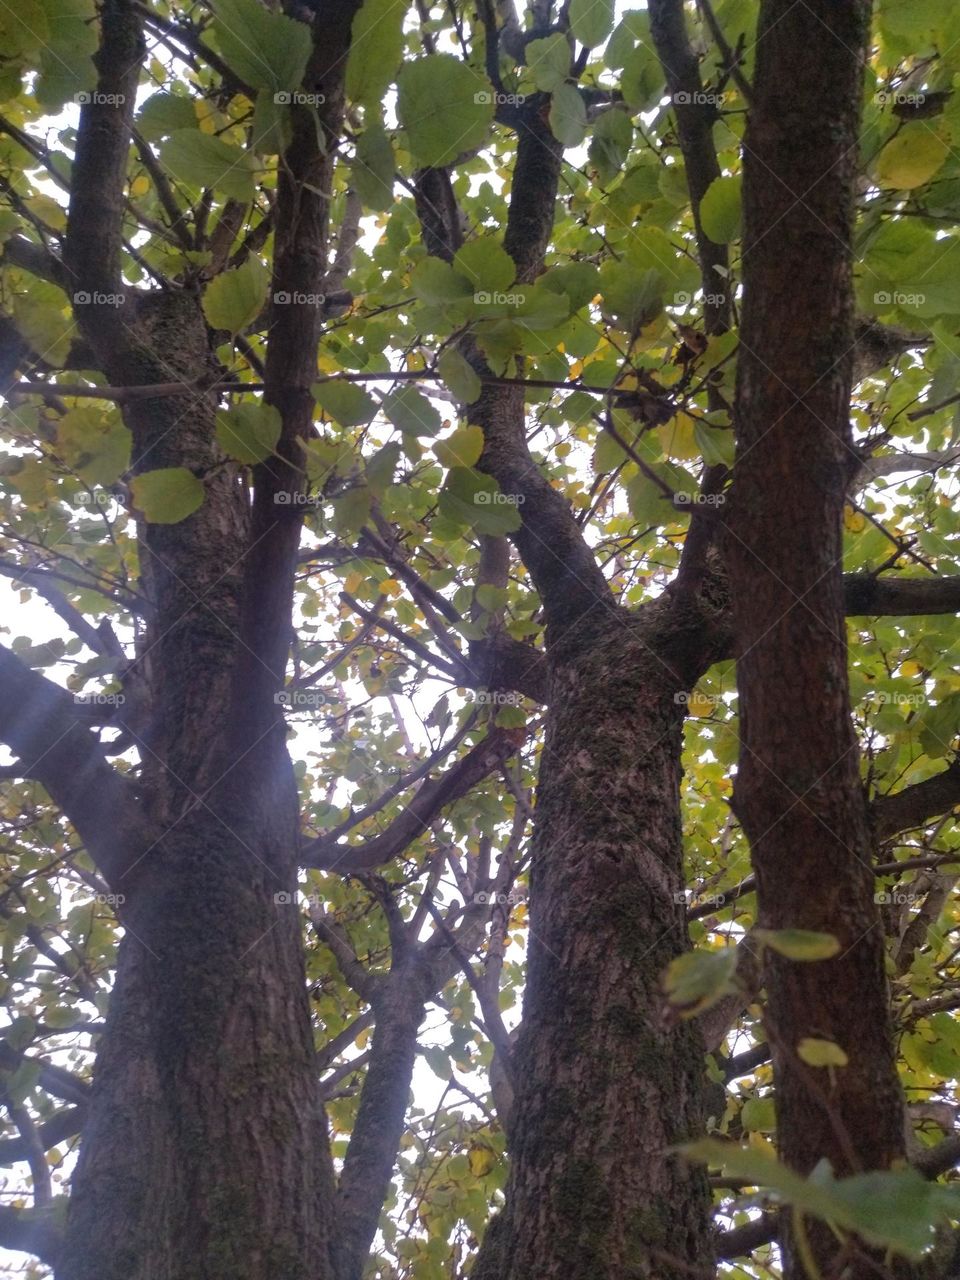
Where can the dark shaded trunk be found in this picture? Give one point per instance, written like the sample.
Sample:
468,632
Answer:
798,789
606,1086
205,1152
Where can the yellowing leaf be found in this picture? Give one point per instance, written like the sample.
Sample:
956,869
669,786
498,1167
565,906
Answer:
911,158
462,449
678,438
911,669
821,1053
853,520
233,299
481,1159
799,944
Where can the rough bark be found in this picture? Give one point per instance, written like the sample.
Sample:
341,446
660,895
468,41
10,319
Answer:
798,789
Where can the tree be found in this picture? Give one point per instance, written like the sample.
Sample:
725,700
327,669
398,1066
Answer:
317,643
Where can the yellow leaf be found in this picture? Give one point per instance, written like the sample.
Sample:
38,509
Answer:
911,158
481,1159
821,1053
362,1038
415,361
391,586
678,438
140,185
911,669
853,520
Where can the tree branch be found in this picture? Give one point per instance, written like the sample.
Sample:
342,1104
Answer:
42,725
900,597
917,804
434,796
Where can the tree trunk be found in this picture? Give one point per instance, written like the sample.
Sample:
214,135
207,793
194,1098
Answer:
798,790
606,1086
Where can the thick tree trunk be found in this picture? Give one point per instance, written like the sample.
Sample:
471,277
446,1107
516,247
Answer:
606,1085
205,1151
798,789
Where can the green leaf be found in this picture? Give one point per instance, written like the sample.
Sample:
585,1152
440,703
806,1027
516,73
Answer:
461,449
580,281
568,115
445,106
235,298
95,444
591,21
720,210
697,979
345,402
266,49
610,144
272,126
376,46
549,60
249,432
165,113
380,468
633,296
799,944
459,376
758,1115
821,1053
374,167
200,160
473,499
485,264
411,412
167,495
435,282
911,158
